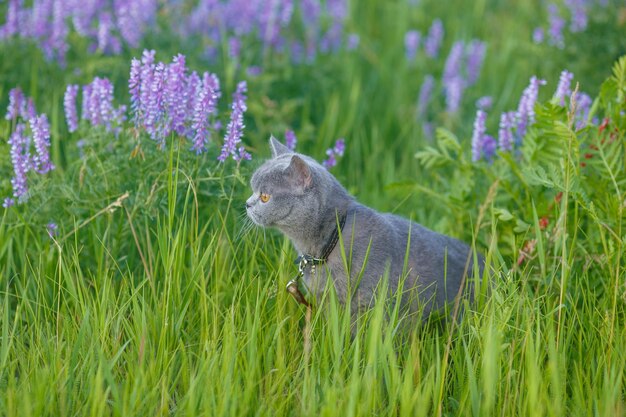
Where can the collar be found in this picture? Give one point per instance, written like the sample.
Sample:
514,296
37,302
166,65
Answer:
296,287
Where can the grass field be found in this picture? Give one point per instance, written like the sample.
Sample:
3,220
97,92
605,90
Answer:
131,282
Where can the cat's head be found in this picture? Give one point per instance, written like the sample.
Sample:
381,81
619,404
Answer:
288,189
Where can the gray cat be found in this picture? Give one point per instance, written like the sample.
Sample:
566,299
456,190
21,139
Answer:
297,195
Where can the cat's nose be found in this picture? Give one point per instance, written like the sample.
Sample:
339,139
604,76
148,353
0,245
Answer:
248,205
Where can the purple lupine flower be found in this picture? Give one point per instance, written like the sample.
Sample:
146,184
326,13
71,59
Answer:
12,24
134,87
16,103
505,133
132,17
331,161
57,39
452,67
145,77
254,71
154,111
557,24
426,91
69,104
97,106
434,39
563,90
334,153
489,147
27,111
484,103
21,160
205,105
478,136
453,81
340,146
526,109
41,138
175,87
353,41
234,129
475,53
583,105
411,43
234,48
291,140
538,35
105,27
52,229
578,10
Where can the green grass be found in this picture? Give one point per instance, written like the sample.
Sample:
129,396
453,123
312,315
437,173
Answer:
157,299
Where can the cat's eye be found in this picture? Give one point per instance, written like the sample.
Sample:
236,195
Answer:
264,197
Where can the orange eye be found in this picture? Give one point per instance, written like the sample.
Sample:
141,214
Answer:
264,197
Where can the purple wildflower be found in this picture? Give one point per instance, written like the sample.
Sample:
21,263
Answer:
154,107
340,146
134,87
505,134
353,41
69,104
484,103
205,105
478,136
577,9
175,90
41,138
97,106
453,81
52,229
21,160
254,71
475,52
234,48
331,161
234,129
291,140
583,105
145,85
16,103
557,24
27,110
411,43
434,39
489,147
11,27
538,35
334,153
526,109
426,91
563,90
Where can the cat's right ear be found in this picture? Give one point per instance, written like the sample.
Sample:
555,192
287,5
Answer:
299,172
277,147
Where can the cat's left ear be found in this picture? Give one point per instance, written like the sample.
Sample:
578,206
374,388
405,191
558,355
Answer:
299,171
277,147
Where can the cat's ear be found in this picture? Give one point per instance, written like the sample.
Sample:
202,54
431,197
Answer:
299,171
277,147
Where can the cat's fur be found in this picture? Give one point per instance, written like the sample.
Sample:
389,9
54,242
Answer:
305,203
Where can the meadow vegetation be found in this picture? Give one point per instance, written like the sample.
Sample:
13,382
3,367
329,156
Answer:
131,282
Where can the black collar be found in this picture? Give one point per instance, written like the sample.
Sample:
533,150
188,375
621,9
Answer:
306,259
296,287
